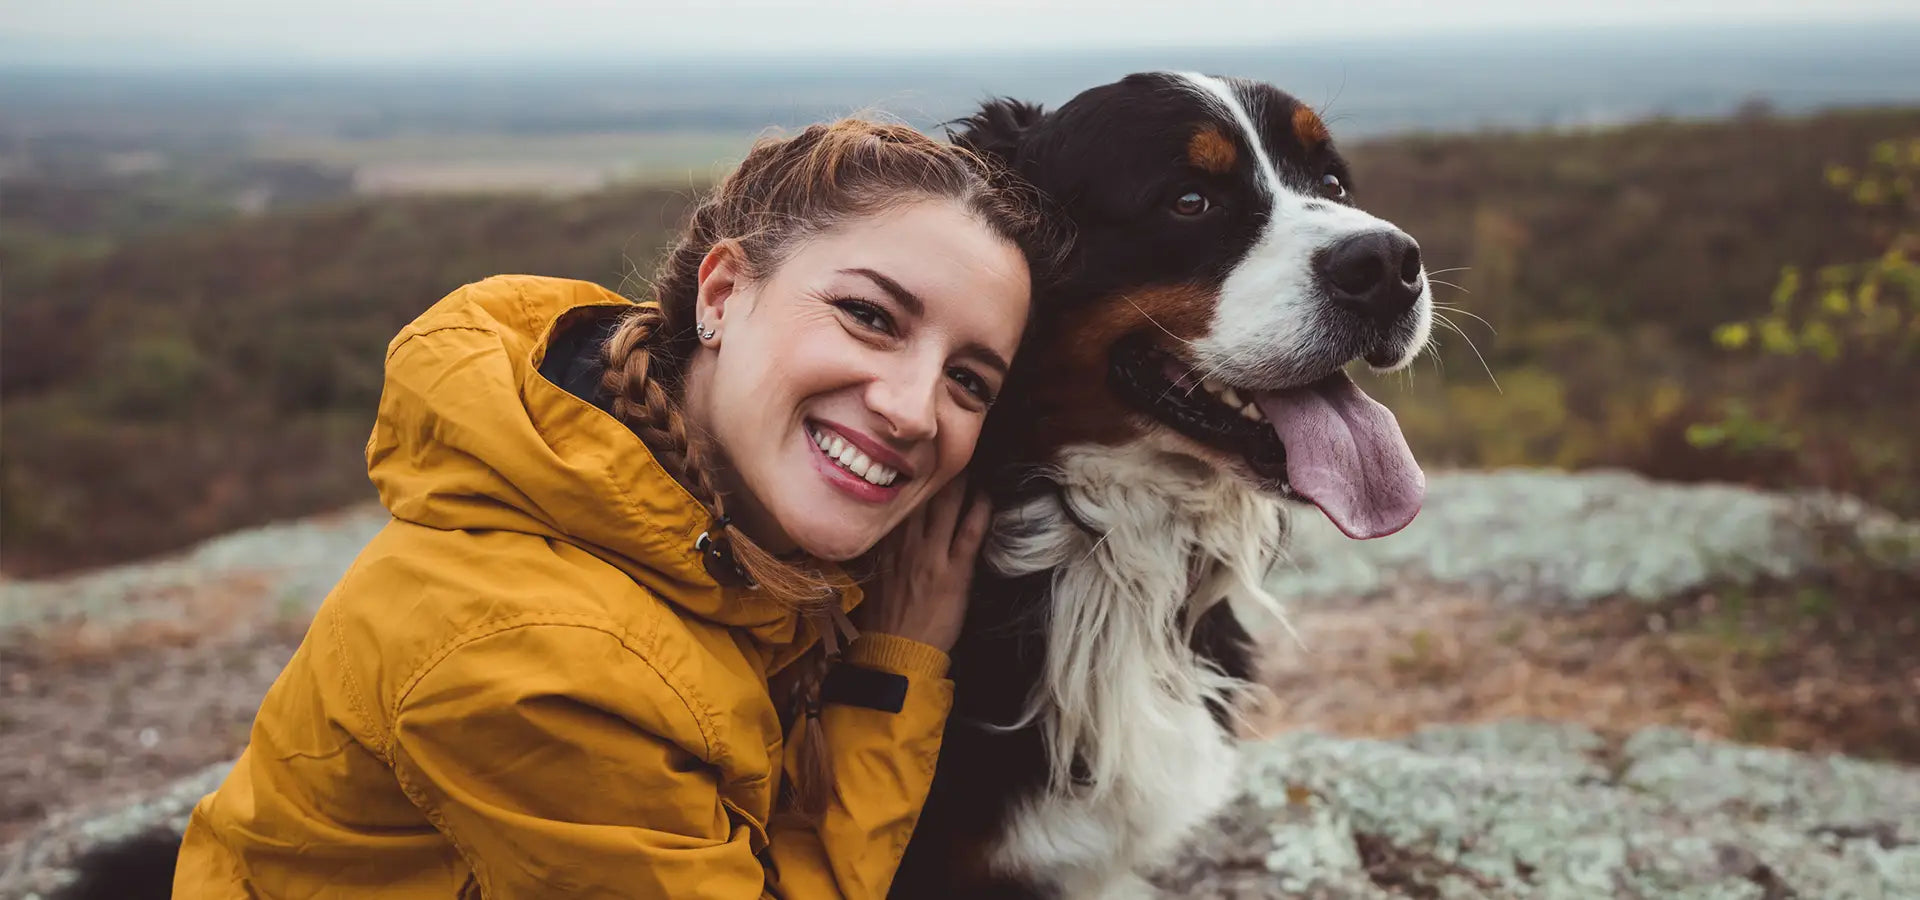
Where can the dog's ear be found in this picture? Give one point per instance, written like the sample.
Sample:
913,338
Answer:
998,129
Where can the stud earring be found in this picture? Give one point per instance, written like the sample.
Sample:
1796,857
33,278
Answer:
705,333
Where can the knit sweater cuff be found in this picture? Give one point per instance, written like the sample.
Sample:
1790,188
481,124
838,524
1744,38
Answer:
892,653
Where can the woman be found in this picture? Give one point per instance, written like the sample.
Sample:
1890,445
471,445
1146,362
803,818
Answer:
613,524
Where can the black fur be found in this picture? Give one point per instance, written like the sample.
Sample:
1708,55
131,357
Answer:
998,129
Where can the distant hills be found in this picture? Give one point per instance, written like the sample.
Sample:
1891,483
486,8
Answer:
181,383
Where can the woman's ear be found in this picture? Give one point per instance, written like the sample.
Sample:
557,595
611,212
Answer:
722,275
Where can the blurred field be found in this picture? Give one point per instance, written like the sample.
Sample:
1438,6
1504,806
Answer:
175,367
562,163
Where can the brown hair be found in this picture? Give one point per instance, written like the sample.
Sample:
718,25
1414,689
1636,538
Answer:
787,191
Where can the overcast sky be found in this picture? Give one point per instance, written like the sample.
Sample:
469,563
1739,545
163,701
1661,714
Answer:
398,31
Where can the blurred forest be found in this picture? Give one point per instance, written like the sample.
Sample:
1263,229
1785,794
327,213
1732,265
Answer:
1729,300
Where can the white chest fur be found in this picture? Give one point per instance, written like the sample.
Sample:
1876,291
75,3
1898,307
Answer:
1091,844
1122,693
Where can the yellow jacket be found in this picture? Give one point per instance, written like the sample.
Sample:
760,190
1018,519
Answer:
528,685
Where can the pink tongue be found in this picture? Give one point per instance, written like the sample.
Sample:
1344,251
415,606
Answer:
1345,453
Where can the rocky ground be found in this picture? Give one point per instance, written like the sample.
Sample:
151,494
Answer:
1539,810
1654,624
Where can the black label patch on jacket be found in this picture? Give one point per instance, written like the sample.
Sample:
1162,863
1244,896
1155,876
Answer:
849,685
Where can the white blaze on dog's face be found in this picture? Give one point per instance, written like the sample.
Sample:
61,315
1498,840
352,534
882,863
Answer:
1281,314
1222,278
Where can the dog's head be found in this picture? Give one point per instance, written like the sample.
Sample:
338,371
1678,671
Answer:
1220,279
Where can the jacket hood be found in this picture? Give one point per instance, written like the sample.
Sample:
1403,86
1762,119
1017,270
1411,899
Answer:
470,436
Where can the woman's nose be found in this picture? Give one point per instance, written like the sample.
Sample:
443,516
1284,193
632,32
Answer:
908,401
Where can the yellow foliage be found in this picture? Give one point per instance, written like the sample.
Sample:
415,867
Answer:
1776,337
1733,335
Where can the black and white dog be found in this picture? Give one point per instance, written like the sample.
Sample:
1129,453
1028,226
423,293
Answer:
1184,378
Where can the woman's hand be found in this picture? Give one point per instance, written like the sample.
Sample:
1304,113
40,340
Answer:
924,569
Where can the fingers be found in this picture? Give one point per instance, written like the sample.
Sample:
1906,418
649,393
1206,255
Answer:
943,512
972,530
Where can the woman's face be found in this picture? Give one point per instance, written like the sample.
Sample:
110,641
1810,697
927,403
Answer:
850,384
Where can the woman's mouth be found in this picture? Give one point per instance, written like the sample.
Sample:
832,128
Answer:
852,469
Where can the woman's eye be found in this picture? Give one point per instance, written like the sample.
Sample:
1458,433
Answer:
1331,187
867,314
1191,203
972,384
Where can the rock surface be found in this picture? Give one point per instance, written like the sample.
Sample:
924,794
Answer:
1536,810
294,563
1508,810
1539,536
1514,809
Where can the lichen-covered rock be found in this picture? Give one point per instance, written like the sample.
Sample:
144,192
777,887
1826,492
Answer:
1541,536
1507,810
1538,810
40,864
294,563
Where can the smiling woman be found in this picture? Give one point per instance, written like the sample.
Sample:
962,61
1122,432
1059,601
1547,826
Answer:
869,358
615,524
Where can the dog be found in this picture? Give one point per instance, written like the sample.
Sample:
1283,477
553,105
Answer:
1183,382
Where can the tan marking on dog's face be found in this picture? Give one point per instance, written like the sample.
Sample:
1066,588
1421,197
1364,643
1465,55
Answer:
1070,399
1210,151
1308,127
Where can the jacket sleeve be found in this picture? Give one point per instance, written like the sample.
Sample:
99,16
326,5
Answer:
560,763
882,763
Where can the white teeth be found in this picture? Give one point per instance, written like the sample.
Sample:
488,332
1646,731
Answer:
850,458
1232,399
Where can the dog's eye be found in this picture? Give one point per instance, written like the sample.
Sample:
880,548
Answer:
1191,203
1331,187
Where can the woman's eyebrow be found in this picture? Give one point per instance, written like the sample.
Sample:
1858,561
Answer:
918,308
915,306
987,355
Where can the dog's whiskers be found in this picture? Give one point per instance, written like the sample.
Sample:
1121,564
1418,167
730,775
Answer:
1156,322
1451,308
1442,318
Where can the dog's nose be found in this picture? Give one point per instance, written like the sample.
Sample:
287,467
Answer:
1376,273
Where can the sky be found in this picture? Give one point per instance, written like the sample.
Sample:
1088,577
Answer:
349,32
